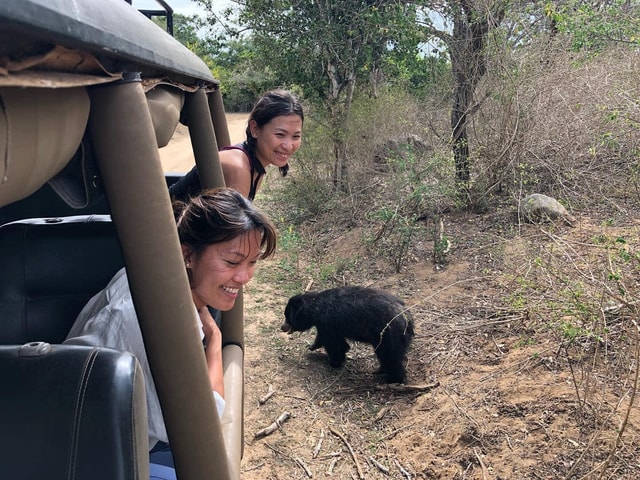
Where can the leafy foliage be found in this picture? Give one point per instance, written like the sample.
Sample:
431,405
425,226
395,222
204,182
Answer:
594,25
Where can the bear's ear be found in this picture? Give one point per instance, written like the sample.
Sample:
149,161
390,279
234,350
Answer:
296,302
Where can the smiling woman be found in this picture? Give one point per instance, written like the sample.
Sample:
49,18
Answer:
273,135
222,237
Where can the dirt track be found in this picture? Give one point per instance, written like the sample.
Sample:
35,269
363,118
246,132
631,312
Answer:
178,156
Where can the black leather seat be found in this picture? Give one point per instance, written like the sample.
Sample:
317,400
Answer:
72,412
50,268
65,411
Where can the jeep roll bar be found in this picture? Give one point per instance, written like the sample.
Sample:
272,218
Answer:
166,12
80,71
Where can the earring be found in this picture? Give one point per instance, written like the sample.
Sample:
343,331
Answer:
188,264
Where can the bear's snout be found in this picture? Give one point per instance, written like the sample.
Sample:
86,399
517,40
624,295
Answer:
287,328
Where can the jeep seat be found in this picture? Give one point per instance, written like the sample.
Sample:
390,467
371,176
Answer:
66,411
72,412
51,267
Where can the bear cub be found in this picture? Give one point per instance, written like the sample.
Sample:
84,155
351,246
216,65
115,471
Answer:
356,313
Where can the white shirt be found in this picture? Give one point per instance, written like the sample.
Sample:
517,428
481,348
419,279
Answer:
109,320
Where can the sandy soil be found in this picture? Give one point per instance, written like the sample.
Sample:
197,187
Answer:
177,156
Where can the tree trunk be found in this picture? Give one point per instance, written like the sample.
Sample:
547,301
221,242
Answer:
462,96
339,108
466,46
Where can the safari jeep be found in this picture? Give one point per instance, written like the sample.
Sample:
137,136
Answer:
89,91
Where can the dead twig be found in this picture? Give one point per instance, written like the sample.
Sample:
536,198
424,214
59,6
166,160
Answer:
273,427
396,431
332,466
381,414
485,471
406,388
337,453
303,465
396,387
318,446
404,472
353,454
267,396
379,466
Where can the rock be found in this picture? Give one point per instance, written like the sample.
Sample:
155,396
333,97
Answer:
538,208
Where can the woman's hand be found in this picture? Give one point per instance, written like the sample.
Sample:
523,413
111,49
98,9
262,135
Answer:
212,333
213,350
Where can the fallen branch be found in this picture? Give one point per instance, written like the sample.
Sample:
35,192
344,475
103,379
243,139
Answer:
337,453
406,474
396,431
353,454
405,388
316,450
485,471
381,414
267,396
379,466
396,387
332,466
304,467
273,427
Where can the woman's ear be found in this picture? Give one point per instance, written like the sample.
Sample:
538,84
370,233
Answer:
187,254
253,128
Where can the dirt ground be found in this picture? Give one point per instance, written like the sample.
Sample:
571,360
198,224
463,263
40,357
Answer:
488,395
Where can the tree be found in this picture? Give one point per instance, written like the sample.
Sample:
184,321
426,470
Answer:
472,21
325,48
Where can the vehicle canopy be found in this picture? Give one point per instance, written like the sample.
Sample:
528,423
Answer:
89,90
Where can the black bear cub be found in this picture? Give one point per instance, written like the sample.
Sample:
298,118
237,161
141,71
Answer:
356,313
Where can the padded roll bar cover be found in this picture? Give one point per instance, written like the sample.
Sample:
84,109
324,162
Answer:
36,141
123,139
165,104
72,412
219,118
50,269
232,419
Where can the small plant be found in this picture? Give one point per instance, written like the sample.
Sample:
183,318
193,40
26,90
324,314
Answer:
394,237
417,189
441,244
524,341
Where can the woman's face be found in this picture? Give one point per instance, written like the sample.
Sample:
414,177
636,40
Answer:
277,140
221,269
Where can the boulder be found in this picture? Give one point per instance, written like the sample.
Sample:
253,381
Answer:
537,208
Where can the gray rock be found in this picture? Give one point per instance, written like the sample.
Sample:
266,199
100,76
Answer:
537,208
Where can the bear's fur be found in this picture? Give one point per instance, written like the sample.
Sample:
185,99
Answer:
356,313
